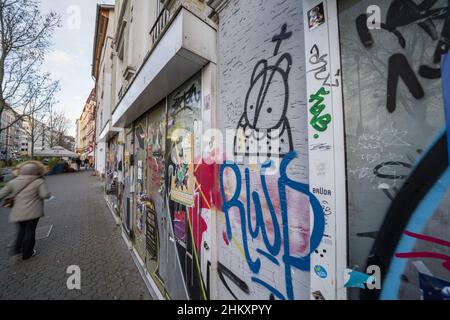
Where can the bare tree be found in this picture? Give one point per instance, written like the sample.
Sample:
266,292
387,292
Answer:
24,39
58,125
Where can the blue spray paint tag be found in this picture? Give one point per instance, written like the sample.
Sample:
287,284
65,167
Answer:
446,91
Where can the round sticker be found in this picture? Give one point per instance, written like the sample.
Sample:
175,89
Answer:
320,271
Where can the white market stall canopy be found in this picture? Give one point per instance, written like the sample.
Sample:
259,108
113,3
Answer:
56,152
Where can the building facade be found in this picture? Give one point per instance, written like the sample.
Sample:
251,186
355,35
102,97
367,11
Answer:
35,135
265,149
86,129
102,68
10,138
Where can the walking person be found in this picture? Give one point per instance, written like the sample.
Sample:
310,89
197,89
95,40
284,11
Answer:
28,191
86,164
78,161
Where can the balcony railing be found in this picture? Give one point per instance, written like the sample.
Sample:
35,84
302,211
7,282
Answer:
160,24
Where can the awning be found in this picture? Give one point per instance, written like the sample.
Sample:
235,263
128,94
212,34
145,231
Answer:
56,152
185,48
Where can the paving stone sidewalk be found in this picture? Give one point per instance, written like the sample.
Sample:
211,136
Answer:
83,234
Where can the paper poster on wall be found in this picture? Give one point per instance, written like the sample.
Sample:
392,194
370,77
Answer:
179,226
139,170
182,186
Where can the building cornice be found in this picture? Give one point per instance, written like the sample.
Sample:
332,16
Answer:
101,26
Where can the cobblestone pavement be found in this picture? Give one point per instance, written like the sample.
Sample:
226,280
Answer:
83,234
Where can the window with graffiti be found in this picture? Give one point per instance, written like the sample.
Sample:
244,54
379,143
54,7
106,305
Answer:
140,188
184,192
171,206
397,157
128,181
113,182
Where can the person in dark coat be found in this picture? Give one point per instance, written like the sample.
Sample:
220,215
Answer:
78,161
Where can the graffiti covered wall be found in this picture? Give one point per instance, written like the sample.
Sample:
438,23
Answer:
114,183
186,201
152,219
172,190
397,154
264,220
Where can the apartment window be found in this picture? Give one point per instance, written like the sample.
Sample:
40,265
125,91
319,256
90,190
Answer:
121,40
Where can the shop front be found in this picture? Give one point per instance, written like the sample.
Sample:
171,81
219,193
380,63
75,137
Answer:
114,174
163,192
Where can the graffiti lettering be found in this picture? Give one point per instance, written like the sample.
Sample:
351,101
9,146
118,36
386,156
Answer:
320,147
429,255
378,173
225,272
279,38
187,99
399,67
320,63
388,137
280,237
319,121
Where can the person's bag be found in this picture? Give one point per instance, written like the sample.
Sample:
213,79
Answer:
9,202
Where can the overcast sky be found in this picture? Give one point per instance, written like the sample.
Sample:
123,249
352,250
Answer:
70,58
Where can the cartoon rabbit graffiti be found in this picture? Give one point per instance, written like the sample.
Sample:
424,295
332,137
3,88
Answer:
264,130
